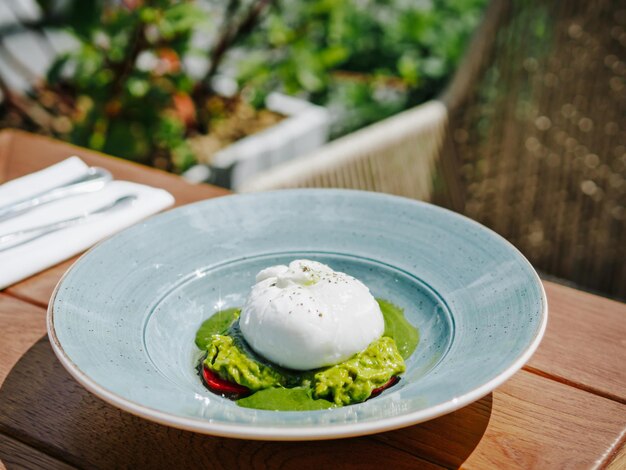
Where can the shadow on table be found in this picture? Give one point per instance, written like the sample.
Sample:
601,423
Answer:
42,406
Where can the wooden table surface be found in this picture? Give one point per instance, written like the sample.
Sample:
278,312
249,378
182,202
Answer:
565,409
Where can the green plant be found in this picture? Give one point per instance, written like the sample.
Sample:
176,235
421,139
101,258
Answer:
121,107
124,89
366,58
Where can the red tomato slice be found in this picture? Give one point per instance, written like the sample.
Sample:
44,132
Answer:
218,385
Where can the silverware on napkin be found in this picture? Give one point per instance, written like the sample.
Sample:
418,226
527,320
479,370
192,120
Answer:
11,240
94,180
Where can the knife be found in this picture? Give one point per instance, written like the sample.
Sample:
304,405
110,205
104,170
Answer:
13,239
94,180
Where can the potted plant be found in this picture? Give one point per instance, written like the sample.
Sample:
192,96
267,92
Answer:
131,93
128,88
373,61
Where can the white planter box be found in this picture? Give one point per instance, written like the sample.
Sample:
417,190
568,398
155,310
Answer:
396,155
305,128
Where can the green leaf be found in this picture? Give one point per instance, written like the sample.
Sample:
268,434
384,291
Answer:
181,18
137,87
408,67
334,55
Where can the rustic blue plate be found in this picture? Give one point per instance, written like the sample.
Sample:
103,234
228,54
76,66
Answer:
123,319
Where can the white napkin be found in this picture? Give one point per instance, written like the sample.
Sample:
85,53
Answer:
25,260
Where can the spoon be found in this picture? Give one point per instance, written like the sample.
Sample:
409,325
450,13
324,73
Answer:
14,239
94,180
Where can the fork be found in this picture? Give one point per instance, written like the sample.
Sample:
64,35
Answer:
13,239
94,180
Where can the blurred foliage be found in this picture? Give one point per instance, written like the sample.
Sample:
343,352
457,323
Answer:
366,59
125,89
132,96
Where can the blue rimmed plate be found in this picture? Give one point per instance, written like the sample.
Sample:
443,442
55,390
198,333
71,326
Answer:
123,318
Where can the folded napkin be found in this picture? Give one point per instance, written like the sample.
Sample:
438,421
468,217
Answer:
29,258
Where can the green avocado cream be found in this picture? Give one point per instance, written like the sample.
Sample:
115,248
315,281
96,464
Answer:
399,329
231,363
275,388
218,324
352,381
285,399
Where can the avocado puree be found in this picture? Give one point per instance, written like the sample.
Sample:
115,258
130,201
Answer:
218,324
285,399
398,328
231,363
352,381
346,383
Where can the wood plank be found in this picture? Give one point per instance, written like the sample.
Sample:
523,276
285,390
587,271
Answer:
585,342
74,426
21,325
618,460
534,422
16,455
528,421
38,289
6,139
17,149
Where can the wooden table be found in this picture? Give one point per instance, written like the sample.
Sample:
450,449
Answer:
566,408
